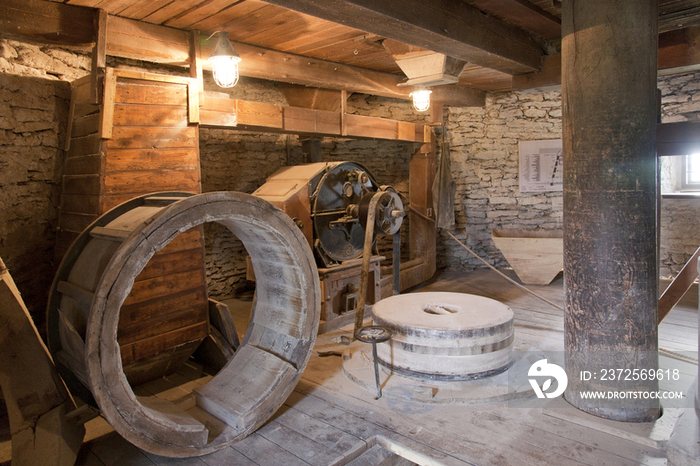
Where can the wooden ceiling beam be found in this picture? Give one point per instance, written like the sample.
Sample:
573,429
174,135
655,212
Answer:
49,22
679,52
137,40
268,64
525,14
451,27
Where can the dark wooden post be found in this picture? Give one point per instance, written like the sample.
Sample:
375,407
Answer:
609,65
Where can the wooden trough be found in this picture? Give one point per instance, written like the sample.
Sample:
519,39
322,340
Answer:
99,271
537,256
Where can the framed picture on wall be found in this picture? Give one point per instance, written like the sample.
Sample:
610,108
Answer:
540,165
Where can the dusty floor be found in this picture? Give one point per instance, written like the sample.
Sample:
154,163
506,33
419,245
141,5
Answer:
333,420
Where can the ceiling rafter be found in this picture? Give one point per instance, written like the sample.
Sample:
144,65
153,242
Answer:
436,26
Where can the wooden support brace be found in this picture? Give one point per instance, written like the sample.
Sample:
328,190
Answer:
679,286
36,399
99,54
107,114
196,61
343,110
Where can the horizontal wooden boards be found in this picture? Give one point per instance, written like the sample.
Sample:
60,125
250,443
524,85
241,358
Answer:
151,147
224,112
126,38
167,305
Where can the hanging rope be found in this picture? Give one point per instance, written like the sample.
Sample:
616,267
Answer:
504,275
666,352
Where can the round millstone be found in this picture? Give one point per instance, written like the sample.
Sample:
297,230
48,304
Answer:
445,336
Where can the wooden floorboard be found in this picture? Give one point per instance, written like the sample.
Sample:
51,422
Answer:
263,452
328,420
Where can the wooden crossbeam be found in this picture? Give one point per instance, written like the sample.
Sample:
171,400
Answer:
218,111
47,21
679,286
679,52
451,27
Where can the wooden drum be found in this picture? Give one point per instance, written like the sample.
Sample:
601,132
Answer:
266,366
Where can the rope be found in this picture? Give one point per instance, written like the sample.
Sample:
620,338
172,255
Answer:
505,276
666,352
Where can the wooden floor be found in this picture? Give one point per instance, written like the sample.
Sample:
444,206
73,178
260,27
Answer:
329,420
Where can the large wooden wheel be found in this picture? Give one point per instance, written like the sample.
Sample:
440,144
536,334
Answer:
272,356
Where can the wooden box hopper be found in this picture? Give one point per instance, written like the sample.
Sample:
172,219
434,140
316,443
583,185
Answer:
537,256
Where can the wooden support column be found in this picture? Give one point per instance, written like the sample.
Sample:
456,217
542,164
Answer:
609,55
422,233
311,148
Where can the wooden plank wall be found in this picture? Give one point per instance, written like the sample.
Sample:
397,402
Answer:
79,200
149,146
154,148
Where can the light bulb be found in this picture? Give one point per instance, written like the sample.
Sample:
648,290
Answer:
421,99
224,62
225,69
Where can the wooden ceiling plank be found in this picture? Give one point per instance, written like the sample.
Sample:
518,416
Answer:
341,34
262,21
320,31
227,17
141,9
678,14
438,27
284,29
199,13
484,79
171,10
343,50
113,7
272,37
47,21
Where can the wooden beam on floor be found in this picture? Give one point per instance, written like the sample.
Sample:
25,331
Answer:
37,401
451,27
679,286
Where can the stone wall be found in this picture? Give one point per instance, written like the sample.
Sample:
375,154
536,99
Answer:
34,98
680,218
484,156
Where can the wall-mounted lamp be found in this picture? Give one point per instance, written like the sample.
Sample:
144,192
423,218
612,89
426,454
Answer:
421,99
224,61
